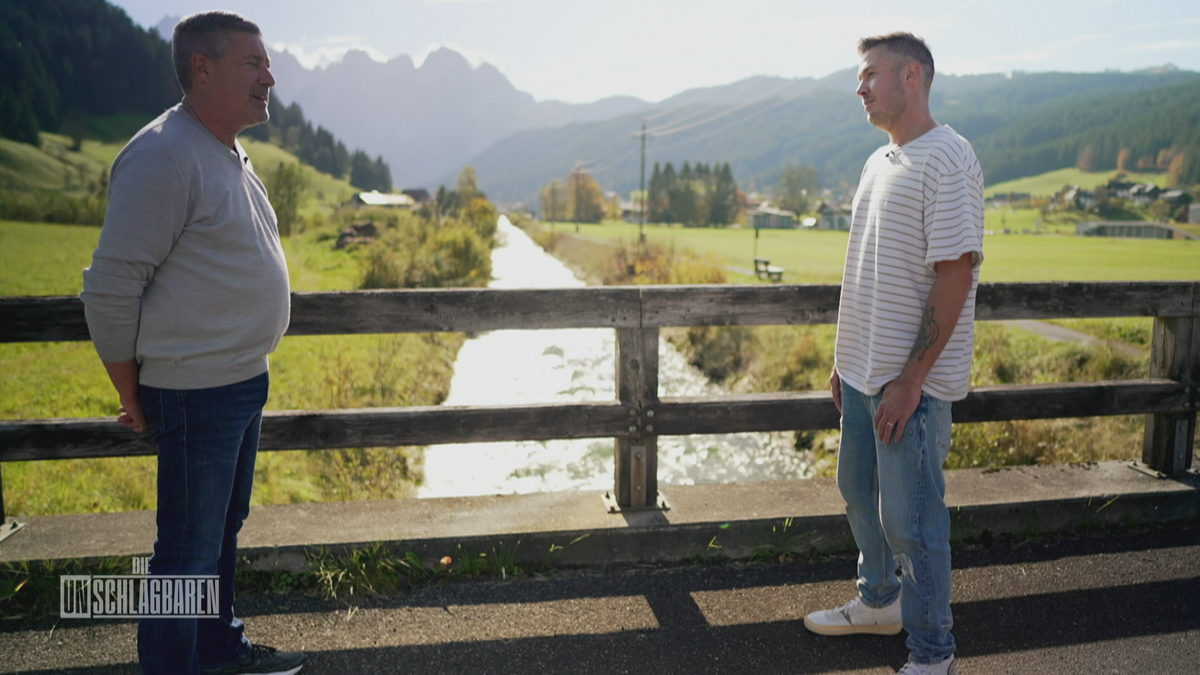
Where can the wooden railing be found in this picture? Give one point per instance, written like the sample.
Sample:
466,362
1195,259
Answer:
1169,396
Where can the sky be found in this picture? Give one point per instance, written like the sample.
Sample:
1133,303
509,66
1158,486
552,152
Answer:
578,51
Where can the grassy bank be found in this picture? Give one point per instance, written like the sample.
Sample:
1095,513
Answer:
49,380
799,358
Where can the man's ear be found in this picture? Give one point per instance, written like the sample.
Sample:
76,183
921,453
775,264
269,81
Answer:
912,74
201,68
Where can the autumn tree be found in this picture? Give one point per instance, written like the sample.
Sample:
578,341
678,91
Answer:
1175,172
1123,158
554,202
584,198
1087,160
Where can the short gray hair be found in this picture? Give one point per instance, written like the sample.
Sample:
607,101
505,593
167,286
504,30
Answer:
906,46
204,33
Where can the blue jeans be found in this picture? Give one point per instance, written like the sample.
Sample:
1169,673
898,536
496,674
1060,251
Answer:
207,443
895,501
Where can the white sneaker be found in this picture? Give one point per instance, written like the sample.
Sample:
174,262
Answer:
856,617
946,667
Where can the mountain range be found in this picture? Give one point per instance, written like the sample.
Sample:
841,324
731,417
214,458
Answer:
429,121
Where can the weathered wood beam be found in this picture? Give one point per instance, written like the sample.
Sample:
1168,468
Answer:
60,318
388,427
463,310
1075,299
361,428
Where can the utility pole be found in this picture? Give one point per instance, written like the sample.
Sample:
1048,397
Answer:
642,215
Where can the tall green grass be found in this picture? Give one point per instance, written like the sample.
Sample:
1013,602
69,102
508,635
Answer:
51,380
800,358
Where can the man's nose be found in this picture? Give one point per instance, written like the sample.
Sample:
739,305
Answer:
269,80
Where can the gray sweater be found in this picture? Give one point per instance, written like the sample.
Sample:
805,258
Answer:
189,277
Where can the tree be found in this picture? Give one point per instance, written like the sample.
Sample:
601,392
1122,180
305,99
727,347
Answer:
1175,173
1123,158
482,217
468,190
17,120
722,199
585,199
682,197
1087,160
554,202
366,174
795,185
285,188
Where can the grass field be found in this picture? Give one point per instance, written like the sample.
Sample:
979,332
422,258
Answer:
817,256
1047,184
51,380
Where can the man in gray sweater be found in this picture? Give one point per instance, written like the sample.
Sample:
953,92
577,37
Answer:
186,296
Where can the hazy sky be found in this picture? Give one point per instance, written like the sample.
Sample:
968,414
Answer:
578,51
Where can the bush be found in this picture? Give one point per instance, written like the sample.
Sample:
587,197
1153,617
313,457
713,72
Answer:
420,252
51,206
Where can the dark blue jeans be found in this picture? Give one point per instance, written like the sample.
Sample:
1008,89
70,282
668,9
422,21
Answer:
207,443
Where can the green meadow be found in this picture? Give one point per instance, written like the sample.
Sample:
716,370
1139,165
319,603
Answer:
815,257
1049,183
50,380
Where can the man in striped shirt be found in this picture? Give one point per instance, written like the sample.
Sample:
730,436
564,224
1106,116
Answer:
904,343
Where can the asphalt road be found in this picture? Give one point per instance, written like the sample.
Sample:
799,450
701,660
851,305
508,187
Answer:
1127,603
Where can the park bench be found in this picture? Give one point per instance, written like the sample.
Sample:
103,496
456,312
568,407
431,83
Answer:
763,269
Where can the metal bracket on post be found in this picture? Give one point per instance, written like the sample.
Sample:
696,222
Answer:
7,528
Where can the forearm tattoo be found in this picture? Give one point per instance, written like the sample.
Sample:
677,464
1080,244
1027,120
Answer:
927,335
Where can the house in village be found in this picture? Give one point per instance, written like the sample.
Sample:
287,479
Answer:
831,216
385,200
1078,198
419,195
765,216
1144,195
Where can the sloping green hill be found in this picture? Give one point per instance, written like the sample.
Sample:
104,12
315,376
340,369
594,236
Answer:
54,166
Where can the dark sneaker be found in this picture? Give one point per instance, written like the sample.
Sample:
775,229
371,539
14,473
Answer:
262,661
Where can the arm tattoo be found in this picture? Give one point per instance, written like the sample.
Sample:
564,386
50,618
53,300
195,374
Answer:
927,334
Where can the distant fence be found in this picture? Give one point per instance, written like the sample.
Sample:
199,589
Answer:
1169,396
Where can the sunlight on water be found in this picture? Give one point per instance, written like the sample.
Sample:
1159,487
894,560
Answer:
548,366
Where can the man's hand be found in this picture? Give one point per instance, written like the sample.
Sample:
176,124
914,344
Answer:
124,376
900,400
835,386
132,416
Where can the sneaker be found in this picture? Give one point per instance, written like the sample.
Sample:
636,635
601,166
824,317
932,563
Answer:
262,661
856,617
946,667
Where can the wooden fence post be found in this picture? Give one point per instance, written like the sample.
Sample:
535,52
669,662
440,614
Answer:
636,480
1174,354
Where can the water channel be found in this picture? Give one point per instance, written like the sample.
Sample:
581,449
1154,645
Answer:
576,365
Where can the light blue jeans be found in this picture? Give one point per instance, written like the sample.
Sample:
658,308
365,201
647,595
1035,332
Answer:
895,501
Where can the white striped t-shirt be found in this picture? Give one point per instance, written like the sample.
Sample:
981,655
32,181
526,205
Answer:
916,205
